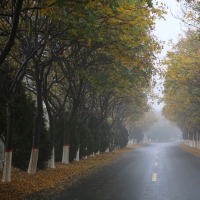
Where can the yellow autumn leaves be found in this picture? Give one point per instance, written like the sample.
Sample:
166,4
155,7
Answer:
182,81
23,184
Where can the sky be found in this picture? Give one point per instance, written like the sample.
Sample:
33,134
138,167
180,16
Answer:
166,30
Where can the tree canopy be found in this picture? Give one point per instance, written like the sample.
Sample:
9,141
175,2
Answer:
81,62
181,93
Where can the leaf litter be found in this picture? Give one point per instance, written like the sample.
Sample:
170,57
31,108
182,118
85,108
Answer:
23,184
189,149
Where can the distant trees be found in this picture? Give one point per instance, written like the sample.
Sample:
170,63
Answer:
139,127
163,130
137,133
86,68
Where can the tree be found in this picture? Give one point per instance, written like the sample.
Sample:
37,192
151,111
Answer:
23,124
57,55
10,10
181,84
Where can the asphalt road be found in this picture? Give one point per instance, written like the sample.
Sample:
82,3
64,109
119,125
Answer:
160,171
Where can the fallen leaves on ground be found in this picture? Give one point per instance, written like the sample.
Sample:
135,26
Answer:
23,184
192,150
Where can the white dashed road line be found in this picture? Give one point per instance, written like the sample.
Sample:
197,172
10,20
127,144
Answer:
154,176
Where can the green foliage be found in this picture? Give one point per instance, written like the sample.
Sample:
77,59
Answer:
181,94
137,133
107,44
100,138
124,136
58,138
87,142
45,147
59,134
5,83
106,136
90,138
73,140
3,122
1,150
23,131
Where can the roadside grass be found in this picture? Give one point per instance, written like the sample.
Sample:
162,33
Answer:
23,184
189,149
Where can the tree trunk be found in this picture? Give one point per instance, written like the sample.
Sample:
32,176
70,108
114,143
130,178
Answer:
32,168
8,148
36,129
77,155
79,138
65,156
51,162
13,32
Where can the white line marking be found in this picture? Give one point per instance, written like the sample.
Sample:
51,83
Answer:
154,176
156,164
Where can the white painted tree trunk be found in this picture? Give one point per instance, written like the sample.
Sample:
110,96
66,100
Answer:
107,150
92,155
97,153
77,155
7,166
145,139
65,155
51,162
85,156
32,168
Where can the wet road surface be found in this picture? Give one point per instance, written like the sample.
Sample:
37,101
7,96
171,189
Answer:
159,171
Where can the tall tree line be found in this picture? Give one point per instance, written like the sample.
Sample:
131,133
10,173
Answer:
83,68
181,94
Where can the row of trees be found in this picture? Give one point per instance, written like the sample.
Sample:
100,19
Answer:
182,81
142,126
76,73
182,85
163,130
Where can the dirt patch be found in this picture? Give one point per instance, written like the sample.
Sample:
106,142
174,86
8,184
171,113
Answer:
23,184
